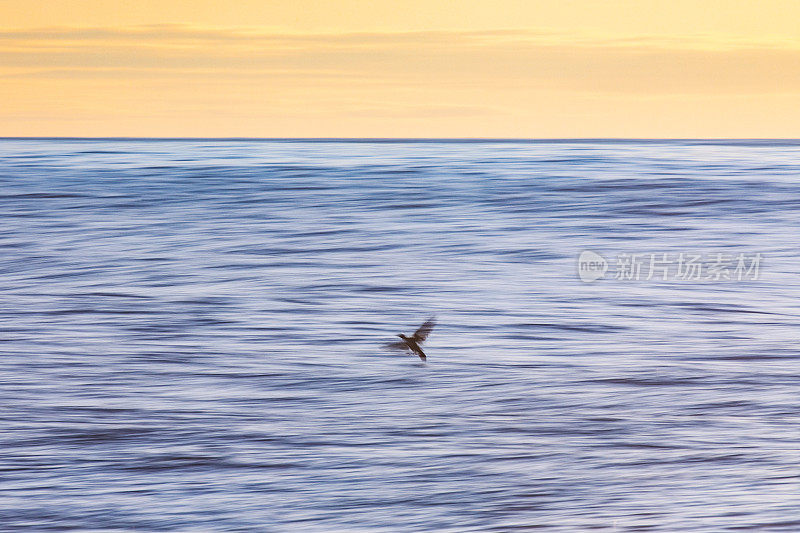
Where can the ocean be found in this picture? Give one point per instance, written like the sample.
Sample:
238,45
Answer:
192,335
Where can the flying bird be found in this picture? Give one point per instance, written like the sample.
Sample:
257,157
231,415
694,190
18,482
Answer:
412,343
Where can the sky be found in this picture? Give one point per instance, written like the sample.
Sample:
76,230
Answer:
386,68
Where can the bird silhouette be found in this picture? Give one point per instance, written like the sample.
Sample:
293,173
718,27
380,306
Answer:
412,343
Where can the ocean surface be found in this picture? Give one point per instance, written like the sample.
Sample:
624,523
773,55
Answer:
192,336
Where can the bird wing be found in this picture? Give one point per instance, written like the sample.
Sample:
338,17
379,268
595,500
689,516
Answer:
424,330
399,345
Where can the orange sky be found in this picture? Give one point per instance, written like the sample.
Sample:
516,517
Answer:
346,68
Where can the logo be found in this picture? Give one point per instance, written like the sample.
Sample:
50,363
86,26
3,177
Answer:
671,266
591,266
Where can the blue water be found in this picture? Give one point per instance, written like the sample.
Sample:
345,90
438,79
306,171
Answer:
192,337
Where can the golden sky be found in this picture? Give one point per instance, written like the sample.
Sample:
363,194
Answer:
385,68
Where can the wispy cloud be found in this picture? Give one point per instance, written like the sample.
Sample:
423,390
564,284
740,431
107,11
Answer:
180,33
181,80
499,58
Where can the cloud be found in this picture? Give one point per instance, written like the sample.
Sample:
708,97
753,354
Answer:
255,81
181,34
489,58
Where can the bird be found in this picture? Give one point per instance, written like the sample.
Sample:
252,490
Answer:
412,343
